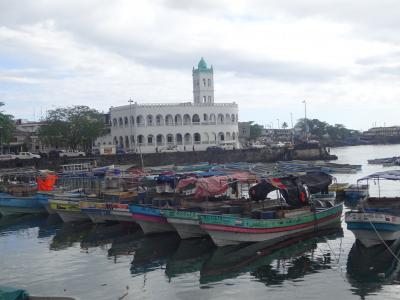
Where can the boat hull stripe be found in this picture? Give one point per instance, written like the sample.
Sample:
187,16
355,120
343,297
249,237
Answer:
268,230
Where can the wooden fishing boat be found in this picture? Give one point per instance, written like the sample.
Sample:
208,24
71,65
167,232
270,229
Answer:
12,205
150,219
231,230
68,210
121,213
98,212
354,192
376,220
185,222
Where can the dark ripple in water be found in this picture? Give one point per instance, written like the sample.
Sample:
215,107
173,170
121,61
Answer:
100,262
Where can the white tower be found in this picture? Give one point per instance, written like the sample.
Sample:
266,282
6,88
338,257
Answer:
203,83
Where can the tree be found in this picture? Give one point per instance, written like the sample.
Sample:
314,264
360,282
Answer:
255,131
7,125
72,127
325,132
284,125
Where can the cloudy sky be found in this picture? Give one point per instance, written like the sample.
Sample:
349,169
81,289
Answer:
342,57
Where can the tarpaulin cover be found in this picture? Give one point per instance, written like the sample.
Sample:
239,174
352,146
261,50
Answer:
46,184
316,181
388,175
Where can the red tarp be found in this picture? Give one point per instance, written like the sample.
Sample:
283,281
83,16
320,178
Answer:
46,184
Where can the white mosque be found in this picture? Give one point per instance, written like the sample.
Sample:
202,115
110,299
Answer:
185,126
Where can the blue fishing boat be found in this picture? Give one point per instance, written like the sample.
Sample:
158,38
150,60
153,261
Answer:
12,205
376,220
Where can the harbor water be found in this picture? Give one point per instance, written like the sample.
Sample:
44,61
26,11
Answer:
86,261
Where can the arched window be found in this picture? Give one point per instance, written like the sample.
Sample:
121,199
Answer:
220,119
204,82
140,139
126,121
126,140
212,119
149,120
170,139
150,140
139,121
234,136
179,139
221,137
186,119
196,119
188,139
206,138
213,138
227,118
115,122
169,120
160,140
115,140
159,120
205,117
178,120
121,142
228,136
121,122
233,118
197,138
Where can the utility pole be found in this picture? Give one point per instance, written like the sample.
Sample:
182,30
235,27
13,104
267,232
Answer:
305,118
291,121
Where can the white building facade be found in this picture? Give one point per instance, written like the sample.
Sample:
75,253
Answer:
190,126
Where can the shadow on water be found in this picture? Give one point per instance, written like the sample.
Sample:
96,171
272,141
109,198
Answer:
47,224
369,269
103,234
125,244
270,264
189,256
69,234
153,251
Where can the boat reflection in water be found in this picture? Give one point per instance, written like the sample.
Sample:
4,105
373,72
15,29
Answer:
189,256
125,245
104,234
271,264
69,234
369,269
153,252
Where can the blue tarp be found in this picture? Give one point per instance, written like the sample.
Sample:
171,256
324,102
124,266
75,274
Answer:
388,175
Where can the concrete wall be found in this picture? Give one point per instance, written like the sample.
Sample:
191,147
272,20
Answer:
180,158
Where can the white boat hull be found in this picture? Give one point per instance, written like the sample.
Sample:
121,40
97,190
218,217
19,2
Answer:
369,238
187,229
72,216
225,238
123,216
98,218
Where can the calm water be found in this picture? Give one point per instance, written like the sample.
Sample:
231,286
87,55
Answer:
114,262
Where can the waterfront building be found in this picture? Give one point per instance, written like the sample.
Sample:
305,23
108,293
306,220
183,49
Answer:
187,126
390,131
26,138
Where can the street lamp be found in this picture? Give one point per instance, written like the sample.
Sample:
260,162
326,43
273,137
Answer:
305,118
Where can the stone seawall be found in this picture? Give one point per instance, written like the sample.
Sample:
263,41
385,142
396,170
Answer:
180,158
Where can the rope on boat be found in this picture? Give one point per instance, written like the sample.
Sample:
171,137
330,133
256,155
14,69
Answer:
382,240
